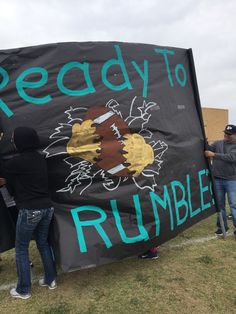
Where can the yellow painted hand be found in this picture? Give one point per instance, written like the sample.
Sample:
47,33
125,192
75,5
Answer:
82,142
139,153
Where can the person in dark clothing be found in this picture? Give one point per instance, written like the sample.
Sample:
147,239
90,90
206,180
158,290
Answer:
10,203
27,181
7,228
223,154
7,225
11,211
152,253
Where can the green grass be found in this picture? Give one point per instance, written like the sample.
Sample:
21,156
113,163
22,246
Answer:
198,278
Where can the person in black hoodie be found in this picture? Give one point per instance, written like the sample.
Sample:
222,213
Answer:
27,181
7,227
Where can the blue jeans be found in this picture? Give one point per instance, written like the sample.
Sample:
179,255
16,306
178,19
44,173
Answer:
228,187
31,222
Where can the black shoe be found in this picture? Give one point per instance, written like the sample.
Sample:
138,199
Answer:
149,254
31,264
219,232
229,217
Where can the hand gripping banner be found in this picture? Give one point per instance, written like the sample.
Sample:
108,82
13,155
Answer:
121,130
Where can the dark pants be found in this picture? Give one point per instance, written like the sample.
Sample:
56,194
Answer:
29,222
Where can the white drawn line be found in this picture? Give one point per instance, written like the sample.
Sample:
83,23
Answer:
104,117
116,169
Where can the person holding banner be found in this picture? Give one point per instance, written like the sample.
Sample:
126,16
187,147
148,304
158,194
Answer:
152,253
7,227
10,203
27,178
10,207
223,154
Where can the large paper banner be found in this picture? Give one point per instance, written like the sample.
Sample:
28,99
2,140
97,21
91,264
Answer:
120,128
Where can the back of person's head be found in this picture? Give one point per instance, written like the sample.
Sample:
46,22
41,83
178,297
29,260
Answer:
25,138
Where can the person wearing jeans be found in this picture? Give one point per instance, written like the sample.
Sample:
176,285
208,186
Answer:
223,154
29,222
228,187
27,181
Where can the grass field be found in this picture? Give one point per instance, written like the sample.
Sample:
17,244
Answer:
195,273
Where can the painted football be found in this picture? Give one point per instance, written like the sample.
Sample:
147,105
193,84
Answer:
111,129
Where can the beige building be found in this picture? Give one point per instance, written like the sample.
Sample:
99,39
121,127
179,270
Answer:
215,121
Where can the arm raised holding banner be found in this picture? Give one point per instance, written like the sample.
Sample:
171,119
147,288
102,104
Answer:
223,154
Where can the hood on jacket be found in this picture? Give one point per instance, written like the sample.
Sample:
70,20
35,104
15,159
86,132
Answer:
25,139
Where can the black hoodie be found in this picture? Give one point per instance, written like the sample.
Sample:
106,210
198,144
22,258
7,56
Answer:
26,174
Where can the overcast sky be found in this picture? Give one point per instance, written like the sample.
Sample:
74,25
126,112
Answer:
206,26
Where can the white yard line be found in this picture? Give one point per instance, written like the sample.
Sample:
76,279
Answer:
182,244
196,241
13,284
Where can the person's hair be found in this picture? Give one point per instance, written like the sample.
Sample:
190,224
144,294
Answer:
25,138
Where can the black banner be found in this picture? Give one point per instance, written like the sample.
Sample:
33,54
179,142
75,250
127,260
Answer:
121,132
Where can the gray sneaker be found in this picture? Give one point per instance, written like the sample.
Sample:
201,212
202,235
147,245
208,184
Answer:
53,284
15,294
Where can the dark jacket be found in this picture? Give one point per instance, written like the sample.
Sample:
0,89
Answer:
26,174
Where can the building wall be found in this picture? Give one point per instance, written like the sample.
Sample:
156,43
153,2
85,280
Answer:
215,121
